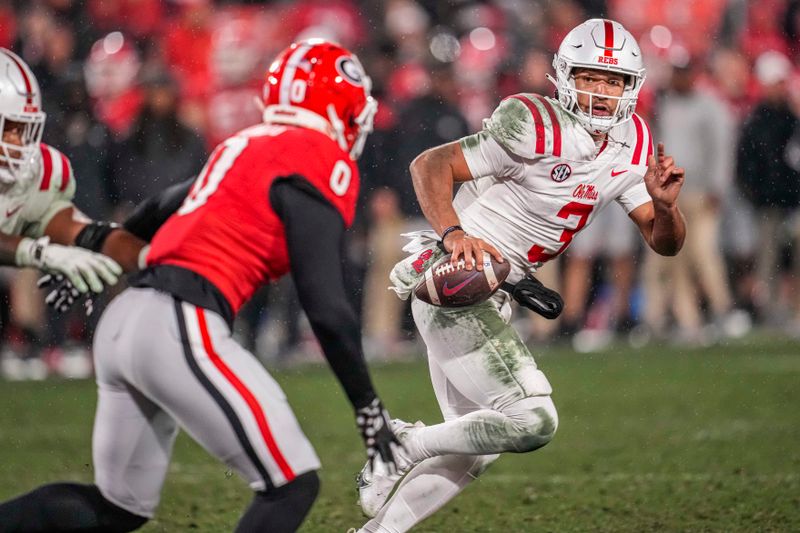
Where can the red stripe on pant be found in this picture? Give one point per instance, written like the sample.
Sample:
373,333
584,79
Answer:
248,397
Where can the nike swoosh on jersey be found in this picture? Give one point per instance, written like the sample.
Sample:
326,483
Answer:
615,174
449,291
12,212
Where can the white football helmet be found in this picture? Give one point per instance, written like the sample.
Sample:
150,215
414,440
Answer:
21,102
604,45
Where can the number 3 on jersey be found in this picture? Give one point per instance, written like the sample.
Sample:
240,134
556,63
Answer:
537,254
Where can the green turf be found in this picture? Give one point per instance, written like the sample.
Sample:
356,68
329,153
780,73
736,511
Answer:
653,440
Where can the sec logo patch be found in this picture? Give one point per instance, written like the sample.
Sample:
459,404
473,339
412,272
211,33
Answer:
560,172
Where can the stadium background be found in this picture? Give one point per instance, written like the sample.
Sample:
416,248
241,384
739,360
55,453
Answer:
682,418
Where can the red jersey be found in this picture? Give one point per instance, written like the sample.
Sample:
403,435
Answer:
226,229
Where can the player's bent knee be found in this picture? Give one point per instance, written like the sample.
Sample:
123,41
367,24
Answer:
77,507
481,463
535,421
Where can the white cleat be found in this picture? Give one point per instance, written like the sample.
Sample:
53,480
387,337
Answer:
376,485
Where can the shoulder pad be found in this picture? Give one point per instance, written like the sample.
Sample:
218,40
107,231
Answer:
56,172
638,140
530,125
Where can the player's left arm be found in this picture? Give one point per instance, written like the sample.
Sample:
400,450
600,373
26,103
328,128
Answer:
660,221
68,225
314,232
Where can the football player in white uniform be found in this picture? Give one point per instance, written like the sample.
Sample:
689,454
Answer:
40,227
538,173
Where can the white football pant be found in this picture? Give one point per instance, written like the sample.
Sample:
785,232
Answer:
162,364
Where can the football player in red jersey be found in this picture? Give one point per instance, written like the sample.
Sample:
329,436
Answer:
273,199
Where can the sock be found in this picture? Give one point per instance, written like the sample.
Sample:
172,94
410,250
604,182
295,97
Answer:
66,507
425,490
282,509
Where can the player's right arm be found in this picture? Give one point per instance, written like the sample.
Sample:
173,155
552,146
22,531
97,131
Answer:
434,173
314,232
84,269
516,131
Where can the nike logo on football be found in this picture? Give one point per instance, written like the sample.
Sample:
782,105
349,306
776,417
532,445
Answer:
12,212
614,174
449,291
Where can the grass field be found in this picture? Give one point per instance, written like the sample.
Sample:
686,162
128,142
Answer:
653,440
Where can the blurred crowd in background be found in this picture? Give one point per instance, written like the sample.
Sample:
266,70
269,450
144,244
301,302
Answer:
138,92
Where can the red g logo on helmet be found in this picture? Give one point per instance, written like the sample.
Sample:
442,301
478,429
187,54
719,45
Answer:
321,85
350,70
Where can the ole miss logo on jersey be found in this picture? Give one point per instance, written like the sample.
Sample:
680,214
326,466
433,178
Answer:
560,172
585,192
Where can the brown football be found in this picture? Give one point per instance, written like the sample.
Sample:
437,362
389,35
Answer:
455,286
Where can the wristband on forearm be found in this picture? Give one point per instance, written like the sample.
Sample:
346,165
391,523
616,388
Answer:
94,235
450,230
30,252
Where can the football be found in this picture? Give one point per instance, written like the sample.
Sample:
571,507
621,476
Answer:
450,285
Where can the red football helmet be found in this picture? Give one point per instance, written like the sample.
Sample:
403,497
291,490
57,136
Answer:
321,85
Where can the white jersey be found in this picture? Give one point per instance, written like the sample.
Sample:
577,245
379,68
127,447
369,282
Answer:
539,178
28,206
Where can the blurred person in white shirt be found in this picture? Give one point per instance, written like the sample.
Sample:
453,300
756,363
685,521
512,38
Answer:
701,131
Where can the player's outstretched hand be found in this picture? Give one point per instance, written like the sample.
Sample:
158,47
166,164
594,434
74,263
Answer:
373,423
459,244
62,294
86,270
663,179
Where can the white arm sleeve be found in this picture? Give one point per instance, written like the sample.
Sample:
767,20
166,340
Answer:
634,196
486,157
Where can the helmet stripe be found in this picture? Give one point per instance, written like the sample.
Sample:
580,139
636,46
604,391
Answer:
288,73
28,87
538,123
555,125
609,30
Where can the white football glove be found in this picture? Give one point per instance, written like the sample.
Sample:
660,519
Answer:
83,268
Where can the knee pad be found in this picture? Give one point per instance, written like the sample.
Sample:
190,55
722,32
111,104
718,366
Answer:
534,420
